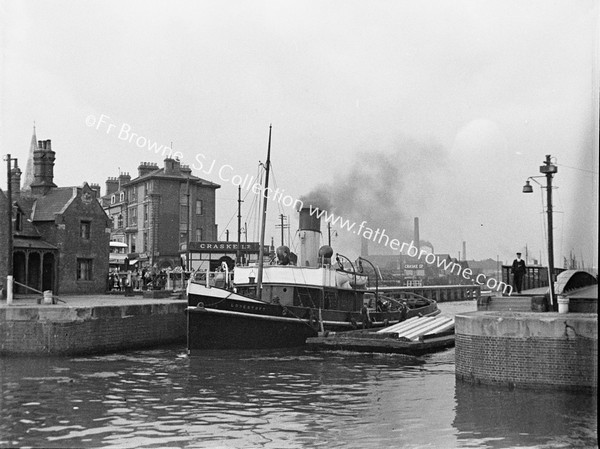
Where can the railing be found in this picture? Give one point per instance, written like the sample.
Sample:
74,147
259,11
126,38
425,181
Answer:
212,278
52,299
536,276
439,293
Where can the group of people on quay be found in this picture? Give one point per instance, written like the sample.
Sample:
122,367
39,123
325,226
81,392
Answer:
144,279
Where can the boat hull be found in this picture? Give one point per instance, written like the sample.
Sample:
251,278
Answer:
222,329
221,319
358,343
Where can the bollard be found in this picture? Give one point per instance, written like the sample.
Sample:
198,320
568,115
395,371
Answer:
9,290
563,304
47,297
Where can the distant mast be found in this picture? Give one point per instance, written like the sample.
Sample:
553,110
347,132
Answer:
261,250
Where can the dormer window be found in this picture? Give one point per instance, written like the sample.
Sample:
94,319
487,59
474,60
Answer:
113,199
122,196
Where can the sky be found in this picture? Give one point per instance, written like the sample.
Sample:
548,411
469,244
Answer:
389,110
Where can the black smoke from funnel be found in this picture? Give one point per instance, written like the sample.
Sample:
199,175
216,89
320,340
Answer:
374,189
319,198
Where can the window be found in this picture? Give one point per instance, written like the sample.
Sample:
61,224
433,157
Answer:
133,216
122,197
19,222
84,269
199,208
132,241
198,235
133,193
145,241
145,215
112,199
119,221
84,229
183,216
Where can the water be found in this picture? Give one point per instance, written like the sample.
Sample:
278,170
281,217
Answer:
276,399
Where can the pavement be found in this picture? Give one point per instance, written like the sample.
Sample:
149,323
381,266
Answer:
115,299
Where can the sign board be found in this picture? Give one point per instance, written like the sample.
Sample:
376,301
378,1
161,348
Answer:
225,247
414,266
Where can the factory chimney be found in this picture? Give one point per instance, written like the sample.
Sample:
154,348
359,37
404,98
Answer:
416,237
364,247
464,250
310,237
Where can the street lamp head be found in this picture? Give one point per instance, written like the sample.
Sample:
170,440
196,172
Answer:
527,188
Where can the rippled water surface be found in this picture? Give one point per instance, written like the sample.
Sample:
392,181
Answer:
276,399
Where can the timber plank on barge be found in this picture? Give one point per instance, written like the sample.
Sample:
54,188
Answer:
415,336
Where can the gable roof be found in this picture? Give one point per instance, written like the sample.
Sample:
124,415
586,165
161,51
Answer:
54,202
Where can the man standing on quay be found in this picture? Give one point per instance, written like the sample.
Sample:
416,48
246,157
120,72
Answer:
518,269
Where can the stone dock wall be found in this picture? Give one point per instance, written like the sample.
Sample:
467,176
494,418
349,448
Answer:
530,350
90,329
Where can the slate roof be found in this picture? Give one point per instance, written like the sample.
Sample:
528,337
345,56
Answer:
54,202
32,243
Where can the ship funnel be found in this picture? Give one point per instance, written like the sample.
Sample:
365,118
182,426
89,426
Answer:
310,236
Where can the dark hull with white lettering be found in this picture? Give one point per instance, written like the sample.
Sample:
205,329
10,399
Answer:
221,319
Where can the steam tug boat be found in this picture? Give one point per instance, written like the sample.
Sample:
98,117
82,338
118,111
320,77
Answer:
281,305
228,310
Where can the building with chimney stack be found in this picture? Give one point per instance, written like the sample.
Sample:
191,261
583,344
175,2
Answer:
60,234
160,212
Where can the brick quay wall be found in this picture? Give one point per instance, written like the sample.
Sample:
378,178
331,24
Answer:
91,326
528,350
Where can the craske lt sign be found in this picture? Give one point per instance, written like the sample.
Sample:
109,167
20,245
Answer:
224,247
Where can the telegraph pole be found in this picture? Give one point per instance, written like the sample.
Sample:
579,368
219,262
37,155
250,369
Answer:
9,261
188,230
283,226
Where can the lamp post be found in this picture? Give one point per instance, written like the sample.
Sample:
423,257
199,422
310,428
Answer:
548,169
9,249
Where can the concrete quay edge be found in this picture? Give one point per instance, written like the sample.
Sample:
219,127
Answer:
528,324
90,324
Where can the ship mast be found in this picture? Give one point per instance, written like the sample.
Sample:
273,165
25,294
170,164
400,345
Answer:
261,251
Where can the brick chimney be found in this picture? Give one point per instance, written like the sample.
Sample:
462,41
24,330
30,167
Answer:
43,168
146,167
186,170
124,178
172,166
112,185
15,179
96,189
